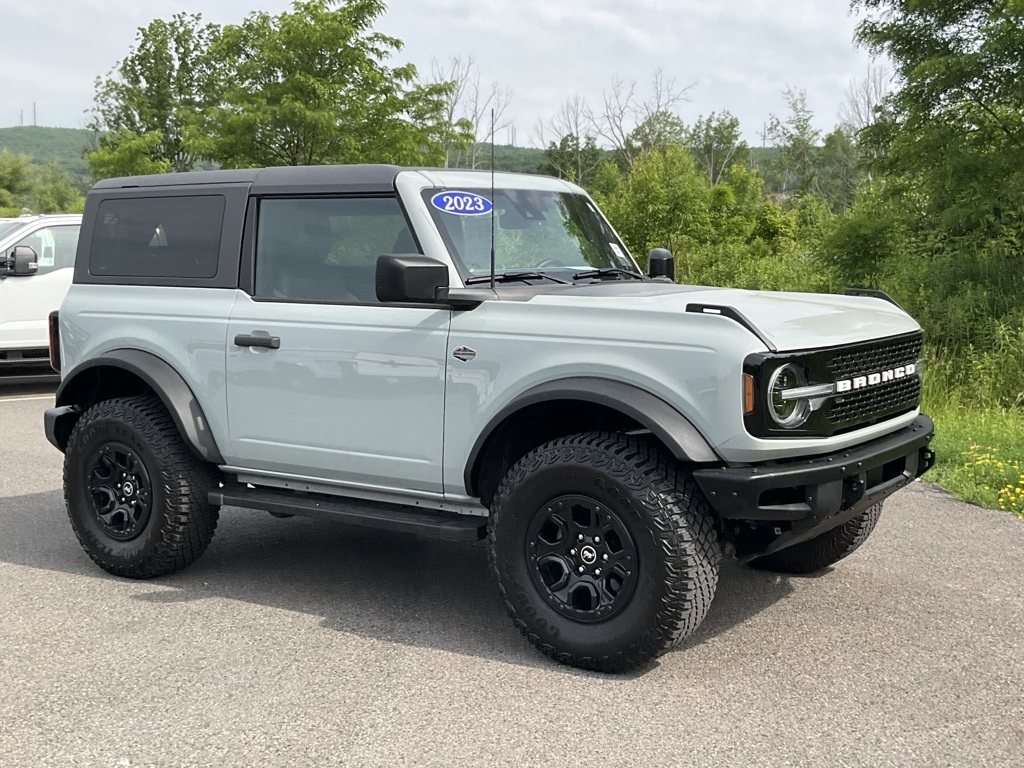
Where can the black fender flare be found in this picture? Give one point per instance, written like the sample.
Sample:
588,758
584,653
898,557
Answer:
166,383
672,428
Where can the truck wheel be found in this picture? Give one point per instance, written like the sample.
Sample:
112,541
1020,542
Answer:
824,550
604,549
135,493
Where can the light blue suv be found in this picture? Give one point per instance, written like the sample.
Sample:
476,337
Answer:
458,354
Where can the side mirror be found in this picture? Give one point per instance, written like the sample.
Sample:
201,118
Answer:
411,278
661,264
23,261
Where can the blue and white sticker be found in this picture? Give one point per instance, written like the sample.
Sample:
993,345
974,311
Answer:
461,203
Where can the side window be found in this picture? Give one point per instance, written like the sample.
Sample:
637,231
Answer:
55,247
163,237
326,249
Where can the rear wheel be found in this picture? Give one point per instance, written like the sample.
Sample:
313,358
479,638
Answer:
604,550
136,494
824,550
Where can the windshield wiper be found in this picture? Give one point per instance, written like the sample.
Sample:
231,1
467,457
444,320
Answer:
506,277
607,271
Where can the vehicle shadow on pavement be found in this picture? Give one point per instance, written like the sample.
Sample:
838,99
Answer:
386,586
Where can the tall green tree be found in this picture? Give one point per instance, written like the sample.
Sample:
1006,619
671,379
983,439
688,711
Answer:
947,219
573,159
314,85
957,124
156,92
54,191
797,142
15,179
716,144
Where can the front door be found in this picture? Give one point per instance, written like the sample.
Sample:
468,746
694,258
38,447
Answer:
323,381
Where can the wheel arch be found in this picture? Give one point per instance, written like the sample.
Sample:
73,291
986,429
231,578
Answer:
567,406
126,372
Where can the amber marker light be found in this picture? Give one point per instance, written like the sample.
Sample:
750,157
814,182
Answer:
748,393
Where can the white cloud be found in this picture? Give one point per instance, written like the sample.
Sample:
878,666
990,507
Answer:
740,54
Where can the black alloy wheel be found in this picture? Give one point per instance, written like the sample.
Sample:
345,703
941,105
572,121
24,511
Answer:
604,549
121,491
583,558
136,494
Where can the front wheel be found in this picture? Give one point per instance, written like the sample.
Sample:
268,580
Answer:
604,550
136,494
824,550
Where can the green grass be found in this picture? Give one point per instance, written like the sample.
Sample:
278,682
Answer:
980,453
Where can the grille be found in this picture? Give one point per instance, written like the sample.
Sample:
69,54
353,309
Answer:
875,357
868,404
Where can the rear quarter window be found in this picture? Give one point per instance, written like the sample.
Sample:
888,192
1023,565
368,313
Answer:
161,237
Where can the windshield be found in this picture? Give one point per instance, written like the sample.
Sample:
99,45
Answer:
533,230
6,227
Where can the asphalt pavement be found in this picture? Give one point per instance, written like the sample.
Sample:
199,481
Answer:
304,643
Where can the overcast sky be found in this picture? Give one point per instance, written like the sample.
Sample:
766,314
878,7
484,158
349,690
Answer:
738,54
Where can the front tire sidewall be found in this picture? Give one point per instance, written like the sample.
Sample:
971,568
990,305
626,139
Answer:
81,453
623,630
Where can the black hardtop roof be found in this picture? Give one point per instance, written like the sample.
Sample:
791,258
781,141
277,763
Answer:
281,179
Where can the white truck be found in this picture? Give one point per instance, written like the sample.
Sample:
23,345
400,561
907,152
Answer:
37,259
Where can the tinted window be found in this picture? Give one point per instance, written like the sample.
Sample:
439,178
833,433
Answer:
157,237
326,249
54,246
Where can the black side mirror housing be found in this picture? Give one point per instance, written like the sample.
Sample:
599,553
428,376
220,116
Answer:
411,278
661,264
23,262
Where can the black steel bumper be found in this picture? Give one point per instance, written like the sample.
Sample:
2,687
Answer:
815,495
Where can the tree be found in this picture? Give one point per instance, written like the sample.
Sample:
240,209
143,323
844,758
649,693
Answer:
15,179
796,139
156,92
572,152
631,124
54,191
864,98
313,86
716,144
950,182
473,113
839,170
570,160
957,122
123,152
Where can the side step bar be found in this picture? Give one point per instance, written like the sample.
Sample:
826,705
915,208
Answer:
445,525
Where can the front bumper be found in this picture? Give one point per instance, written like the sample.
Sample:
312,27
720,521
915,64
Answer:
807,498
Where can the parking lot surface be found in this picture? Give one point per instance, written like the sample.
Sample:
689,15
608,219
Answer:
299,642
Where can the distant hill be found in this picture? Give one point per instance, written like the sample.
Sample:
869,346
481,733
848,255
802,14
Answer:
63,146
508,158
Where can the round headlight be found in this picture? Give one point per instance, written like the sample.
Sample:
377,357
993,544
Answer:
788,414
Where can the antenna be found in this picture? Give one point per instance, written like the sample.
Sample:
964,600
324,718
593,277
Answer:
492,200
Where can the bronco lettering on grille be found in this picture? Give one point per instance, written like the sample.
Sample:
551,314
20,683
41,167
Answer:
873,379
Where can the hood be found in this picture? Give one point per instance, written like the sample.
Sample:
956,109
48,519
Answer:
788,322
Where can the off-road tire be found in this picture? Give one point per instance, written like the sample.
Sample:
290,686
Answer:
659,506
180,520
824,550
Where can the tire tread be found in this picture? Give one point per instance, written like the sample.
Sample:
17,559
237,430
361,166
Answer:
190,520
676,508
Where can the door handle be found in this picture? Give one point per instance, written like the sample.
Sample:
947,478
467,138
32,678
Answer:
252,340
